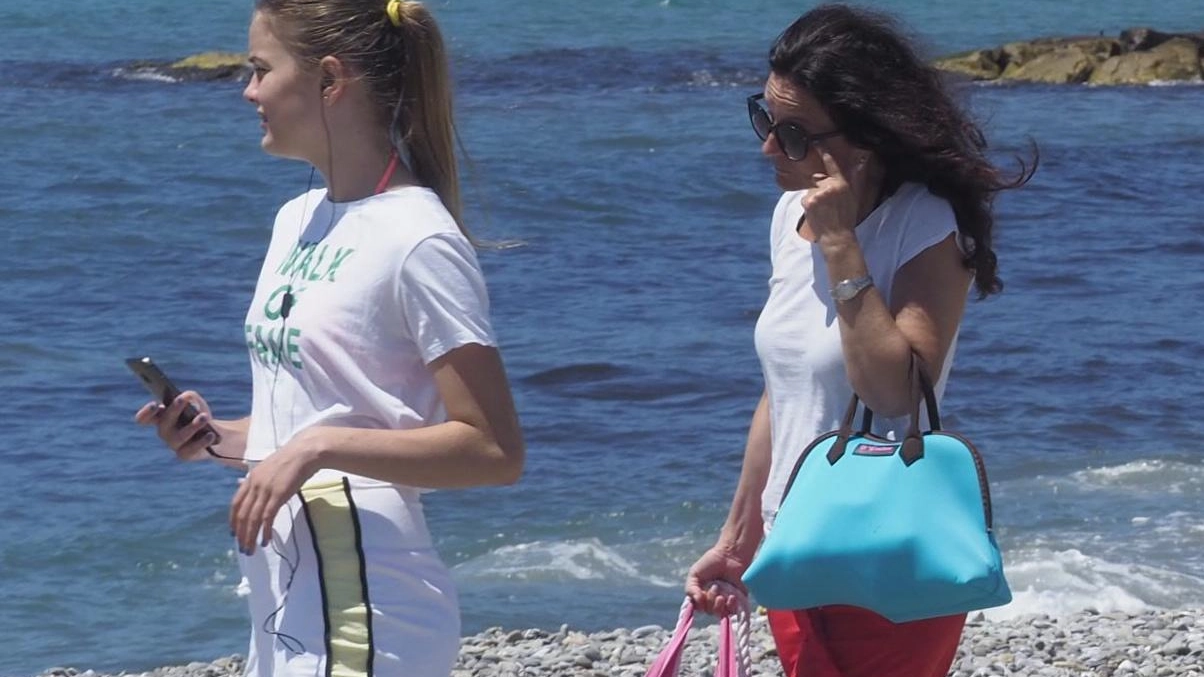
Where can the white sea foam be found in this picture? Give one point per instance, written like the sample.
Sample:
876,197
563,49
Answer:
1060,583
1176,83
584,559
143,75
1173,477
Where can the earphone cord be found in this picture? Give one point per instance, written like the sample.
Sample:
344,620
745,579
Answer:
286,304
289,642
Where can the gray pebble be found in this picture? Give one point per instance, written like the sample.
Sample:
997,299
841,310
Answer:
1088,644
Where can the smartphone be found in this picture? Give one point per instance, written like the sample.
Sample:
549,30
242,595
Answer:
166,392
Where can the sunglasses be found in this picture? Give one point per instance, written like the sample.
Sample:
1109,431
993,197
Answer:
791,138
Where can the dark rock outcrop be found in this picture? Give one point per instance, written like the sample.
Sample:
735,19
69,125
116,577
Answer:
206,66
1137,56
1177,59
212,66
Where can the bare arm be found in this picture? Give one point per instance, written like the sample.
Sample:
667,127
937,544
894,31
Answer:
186,442
233,448
480,444
929,298
928,293
744,528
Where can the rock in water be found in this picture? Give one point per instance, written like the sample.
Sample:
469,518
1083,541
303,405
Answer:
211,66
1138,56
1177,59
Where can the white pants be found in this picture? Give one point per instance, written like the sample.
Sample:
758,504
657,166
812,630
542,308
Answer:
350,586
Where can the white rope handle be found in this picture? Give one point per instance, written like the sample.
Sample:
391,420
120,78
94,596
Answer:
741,627
735,645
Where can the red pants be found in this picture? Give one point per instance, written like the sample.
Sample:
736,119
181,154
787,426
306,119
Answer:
845,641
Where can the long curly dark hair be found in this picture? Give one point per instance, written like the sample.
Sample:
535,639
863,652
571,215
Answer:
885,98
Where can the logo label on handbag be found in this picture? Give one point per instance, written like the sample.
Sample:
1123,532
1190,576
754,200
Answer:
875,449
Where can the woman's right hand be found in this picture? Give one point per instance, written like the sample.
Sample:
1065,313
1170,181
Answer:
180,440
720,564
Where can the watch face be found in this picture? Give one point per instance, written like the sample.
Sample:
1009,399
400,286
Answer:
847,289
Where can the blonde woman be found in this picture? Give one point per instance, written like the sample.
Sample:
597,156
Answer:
375,368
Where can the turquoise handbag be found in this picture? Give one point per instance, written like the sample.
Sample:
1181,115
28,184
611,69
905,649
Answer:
903,529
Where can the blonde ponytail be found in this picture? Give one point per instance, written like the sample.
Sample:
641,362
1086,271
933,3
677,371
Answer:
424,121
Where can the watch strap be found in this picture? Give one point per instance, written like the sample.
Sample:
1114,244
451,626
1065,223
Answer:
847,290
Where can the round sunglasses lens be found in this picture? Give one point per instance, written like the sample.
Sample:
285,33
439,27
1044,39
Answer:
794,142
760,121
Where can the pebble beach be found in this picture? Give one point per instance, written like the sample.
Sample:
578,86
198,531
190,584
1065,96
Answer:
1165,643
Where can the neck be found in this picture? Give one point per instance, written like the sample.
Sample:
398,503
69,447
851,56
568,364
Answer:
874,190
356,165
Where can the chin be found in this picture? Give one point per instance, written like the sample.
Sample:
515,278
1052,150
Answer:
791,183
268,145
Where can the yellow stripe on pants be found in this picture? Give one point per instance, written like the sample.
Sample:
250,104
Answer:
335,527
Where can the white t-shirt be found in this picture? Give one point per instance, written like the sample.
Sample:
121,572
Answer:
798,336
381,287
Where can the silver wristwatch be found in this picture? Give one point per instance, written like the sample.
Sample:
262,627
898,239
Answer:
847,290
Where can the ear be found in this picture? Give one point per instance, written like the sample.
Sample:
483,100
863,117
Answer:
333,78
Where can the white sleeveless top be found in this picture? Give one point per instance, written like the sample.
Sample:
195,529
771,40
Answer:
798,336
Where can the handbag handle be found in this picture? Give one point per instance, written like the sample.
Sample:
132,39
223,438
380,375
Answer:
735,655
669,660
913,443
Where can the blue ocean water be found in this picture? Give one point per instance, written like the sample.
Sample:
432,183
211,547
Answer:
612,139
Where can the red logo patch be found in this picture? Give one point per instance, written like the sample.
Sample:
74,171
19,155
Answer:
875,449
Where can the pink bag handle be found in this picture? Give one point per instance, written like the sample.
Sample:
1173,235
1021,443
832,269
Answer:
669,661
734,654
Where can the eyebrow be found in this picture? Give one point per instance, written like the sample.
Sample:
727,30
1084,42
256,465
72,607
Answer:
257,62
795,119
806,125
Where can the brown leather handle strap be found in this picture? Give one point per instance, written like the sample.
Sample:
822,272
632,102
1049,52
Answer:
913,443
843,432
920,373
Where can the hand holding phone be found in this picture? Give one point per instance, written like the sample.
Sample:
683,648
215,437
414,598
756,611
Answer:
165,392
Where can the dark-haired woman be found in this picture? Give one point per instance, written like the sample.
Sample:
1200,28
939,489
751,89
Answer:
884,227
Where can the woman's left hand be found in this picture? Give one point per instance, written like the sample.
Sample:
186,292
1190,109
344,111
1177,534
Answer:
269,485
835,205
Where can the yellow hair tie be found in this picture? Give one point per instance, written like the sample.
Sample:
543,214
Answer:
393,9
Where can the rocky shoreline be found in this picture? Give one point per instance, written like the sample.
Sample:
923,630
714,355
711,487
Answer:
1166,643
1138,56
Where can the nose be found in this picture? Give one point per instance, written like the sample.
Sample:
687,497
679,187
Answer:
769,147
250,91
